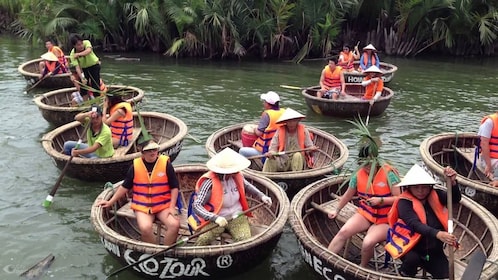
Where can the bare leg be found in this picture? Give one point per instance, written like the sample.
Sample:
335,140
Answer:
375,234
172,223
41,67
144,222
356,224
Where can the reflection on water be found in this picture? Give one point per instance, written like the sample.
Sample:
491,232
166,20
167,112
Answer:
431,96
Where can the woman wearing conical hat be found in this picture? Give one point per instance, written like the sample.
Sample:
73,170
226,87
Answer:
373,83
419,222
290,136
369,57
221,193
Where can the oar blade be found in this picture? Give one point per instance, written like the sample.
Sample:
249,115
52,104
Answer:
474,268
291,87
48,201
36,271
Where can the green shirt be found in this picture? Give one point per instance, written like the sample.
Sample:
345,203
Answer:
104,138
86,61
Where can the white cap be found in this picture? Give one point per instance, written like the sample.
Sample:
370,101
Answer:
50,56
227,161
151,146
290,114
370,47
417,176
270,97
373,69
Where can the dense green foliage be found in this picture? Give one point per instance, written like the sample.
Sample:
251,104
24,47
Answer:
263,28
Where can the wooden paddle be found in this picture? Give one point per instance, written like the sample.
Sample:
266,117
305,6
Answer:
299,88
50,196
183,241
36,271
39,81
449,204
474,268
284,152
371,105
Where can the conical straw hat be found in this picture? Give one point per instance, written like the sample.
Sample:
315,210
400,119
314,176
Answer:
416,176
50,56
290,114
373,69
370,47
228,161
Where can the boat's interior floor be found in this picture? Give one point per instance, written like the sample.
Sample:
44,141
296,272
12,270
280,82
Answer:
352,250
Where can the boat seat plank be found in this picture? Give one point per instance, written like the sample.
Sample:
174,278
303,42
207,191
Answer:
236,143
346,212
122,150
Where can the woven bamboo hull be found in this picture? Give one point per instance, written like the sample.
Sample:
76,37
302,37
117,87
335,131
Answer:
349,107
475,227
55,106
120,237
437,151
166,130
330,160
30,71
357,77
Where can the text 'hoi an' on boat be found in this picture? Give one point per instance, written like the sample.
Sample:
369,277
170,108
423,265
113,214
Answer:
168,131
355,77
350,106
476,230
31,72
458,151
55,106
121,237
329,159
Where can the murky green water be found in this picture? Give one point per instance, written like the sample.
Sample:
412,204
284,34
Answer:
431,96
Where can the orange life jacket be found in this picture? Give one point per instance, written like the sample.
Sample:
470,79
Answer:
310,161
332,79
400,238
216,200
151,194
493,141
347,62
60,55
379,188
122,128
53,66
263,142
372,88
365,58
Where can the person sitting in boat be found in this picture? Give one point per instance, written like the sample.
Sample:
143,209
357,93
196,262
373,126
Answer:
373,83
332,83
267,125
83,56
375,184
290,136
347,58
98,136
49,65
368,58
154,186
219,194
120,119
52,66
419,222
488,146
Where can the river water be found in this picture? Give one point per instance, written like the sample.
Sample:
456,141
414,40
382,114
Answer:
431,96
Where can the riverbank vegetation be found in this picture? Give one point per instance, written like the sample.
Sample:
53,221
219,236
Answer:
281,29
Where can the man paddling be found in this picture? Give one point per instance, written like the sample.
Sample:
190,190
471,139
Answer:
290,136
98,136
